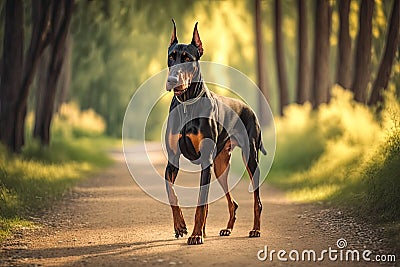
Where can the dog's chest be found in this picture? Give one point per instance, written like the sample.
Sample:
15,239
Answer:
190,138
189,126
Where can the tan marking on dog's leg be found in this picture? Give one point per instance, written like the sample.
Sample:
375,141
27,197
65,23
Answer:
221,169
173,141
251,167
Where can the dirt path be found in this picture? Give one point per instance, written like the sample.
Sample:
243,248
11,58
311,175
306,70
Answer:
109,221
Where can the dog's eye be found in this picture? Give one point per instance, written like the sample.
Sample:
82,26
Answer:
172,56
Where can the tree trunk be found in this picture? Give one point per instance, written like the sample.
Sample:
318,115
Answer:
385,67
12,72
41,87
22,75
280,59
343,72
62,15
64,83
321,53
261,70
41,14
303,75
363,52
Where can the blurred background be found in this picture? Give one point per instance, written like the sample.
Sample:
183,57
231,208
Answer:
111,47
329,69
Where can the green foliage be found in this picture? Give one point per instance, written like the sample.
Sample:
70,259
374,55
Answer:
7,225
119,44
341,153
299,140
381,174
70,121
382,177
61,151
39,176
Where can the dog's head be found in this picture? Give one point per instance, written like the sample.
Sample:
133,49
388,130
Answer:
183,63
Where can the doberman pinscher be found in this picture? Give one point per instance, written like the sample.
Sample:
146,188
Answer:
205,128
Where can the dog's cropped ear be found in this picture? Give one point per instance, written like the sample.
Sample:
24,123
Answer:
174,39
196,40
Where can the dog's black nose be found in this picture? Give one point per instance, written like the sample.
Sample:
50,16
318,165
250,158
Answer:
172,79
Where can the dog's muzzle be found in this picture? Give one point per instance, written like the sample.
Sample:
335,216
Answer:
172,82
179,84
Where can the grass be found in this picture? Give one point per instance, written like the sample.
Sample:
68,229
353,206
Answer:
38,177
382,180
342,154
7,225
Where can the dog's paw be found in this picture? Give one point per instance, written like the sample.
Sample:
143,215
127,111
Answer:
179,225
180,232
195,240
254,233
225,232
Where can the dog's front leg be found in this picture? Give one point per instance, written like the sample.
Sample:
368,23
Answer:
201,210
179,222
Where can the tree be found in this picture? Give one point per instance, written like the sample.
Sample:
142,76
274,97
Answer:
363,51
261,70
385,67
64,82
343,72
41,82
321,53
11,72
303,75
62,12
280,60
18,71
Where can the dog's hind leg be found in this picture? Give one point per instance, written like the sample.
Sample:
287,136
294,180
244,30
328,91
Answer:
254,173
221,169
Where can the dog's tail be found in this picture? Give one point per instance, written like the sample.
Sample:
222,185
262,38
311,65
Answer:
262,149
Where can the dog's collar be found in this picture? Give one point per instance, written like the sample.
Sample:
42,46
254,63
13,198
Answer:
192,100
